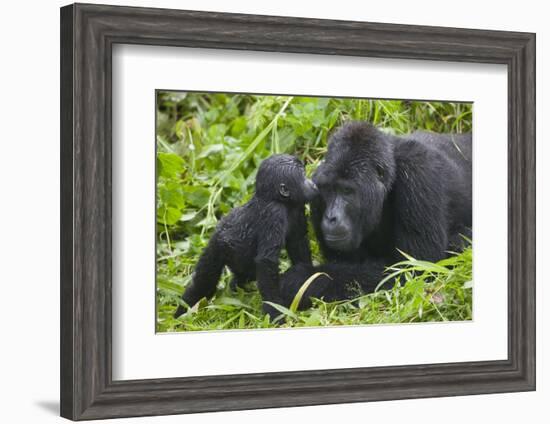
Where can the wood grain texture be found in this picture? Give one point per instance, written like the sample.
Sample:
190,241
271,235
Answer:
66,211
88,33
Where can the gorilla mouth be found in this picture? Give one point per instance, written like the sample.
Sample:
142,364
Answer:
336,238
338,242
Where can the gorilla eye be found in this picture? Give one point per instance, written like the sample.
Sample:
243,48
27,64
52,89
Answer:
283,190
347,190
380,172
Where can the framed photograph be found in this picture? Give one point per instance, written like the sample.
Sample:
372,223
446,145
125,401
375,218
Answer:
264,212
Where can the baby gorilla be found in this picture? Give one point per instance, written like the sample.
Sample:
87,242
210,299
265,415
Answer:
249,240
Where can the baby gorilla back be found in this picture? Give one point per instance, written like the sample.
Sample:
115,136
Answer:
238,240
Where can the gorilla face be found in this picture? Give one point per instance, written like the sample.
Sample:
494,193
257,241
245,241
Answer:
353,182
282,178
342,214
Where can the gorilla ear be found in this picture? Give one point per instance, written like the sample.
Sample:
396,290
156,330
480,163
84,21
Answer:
284,191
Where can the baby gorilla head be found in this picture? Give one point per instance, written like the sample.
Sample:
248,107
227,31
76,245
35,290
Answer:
282,178
357,173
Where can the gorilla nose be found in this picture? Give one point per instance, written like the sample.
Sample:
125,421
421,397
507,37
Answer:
332,224
331,220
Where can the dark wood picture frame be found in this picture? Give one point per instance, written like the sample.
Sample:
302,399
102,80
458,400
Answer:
88,33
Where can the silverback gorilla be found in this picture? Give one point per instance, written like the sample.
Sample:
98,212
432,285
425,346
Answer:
381,193
249,240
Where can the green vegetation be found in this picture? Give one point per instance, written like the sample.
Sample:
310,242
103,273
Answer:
209,147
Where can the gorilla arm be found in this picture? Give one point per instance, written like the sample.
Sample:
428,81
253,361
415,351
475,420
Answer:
297,242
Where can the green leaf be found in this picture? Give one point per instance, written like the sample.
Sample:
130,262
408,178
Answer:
285,311
169,286
296,301
216,133
232,301
210,150
171,194
196,195
188,216
169,215
314,319
239,126
169,164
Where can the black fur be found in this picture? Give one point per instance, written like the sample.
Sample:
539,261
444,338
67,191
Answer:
249,240
380,193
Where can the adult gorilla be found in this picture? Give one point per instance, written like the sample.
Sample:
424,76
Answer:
381,193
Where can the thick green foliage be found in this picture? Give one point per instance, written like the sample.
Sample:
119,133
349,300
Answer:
209,147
